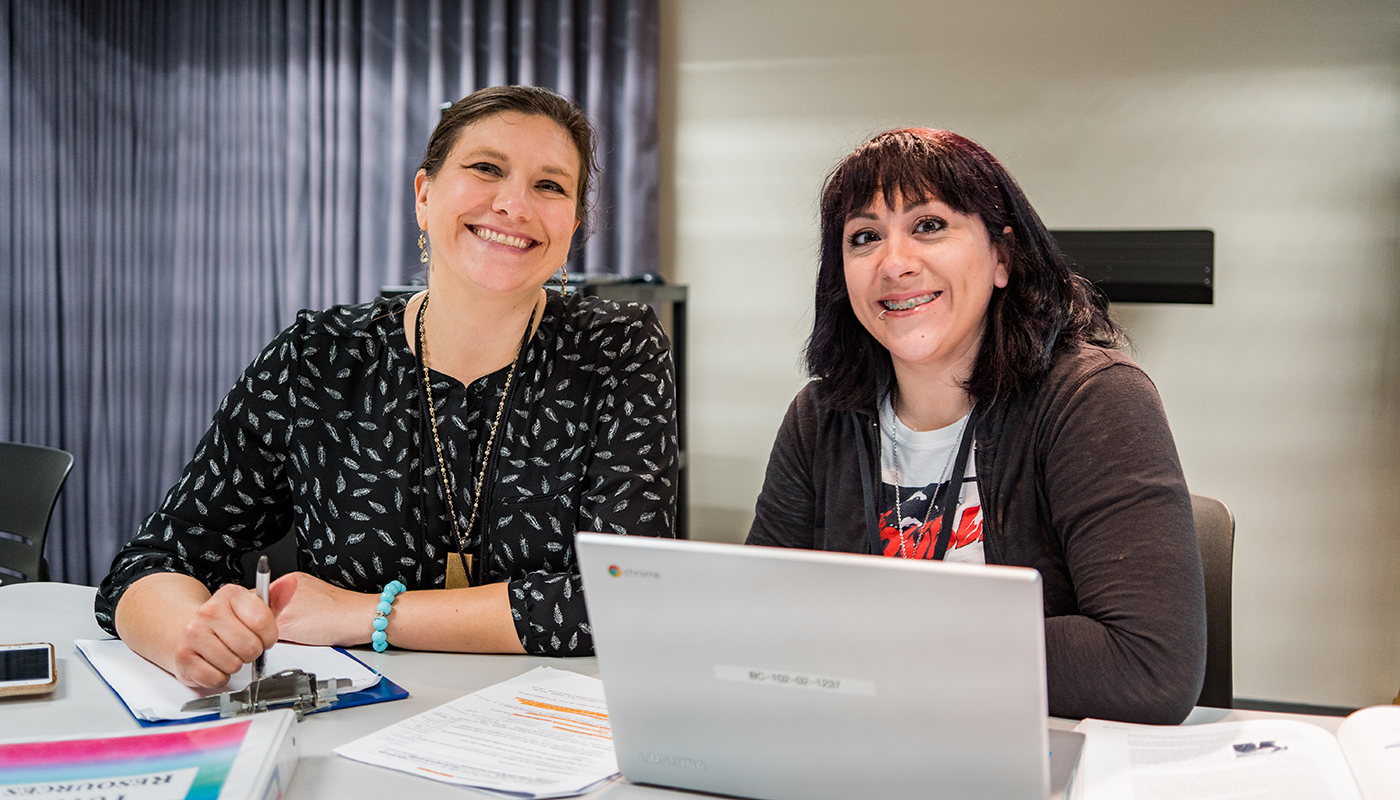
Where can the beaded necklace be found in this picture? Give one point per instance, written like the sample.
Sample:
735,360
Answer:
437,443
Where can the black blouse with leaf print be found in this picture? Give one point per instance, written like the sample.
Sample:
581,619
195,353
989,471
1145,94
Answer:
325,435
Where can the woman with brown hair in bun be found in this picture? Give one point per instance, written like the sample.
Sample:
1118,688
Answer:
441,448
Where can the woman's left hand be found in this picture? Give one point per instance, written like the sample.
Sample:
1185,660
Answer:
322,614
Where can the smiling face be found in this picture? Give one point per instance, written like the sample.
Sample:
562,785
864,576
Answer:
500,212
930,270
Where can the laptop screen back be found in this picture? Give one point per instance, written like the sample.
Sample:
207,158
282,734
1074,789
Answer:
773,673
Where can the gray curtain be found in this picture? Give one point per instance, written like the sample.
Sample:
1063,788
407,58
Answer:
181,177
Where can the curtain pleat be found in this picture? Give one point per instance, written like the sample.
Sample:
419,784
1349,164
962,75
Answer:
182,177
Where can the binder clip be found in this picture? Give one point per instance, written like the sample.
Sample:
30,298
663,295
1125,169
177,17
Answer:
291,687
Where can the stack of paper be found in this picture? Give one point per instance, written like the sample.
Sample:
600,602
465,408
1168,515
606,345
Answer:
543,734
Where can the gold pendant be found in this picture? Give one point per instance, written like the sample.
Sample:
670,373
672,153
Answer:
457,578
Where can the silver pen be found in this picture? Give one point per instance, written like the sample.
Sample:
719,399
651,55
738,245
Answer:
264,576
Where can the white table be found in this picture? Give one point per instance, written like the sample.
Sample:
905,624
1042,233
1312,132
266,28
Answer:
82,703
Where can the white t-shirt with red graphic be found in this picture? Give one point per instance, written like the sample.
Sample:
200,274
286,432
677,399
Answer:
925,460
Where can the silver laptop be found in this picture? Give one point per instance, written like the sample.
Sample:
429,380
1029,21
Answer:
774,673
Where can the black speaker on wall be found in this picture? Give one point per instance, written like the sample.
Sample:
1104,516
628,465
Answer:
1145,266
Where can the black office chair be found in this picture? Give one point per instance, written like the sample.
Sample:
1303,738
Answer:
1215,534
30,479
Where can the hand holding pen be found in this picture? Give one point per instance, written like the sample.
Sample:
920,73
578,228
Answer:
207,638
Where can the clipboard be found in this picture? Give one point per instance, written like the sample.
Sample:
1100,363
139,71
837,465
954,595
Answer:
382,690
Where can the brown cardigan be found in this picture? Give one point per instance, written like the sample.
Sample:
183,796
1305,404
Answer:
1079,479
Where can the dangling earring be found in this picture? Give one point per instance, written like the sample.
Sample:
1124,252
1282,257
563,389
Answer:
423,247
563,279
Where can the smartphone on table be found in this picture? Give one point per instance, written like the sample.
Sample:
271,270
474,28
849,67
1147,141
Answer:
27,669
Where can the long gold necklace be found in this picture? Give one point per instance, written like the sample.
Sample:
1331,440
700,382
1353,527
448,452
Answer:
437,443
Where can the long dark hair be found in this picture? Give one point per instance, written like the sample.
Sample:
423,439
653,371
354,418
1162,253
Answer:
534,100
1044,306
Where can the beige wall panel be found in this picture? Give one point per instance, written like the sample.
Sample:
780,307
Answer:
1277,124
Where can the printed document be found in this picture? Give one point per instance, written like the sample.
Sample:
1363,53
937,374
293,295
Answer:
1281,759
542,734
1371,739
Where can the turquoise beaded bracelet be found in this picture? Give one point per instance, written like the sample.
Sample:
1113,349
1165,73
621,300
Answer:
379,639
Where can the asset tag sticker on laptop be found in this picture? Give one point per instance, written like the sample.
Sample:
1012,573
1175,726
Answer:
795,680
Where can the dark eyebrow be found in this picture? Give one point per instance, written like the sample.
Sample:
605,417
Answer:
499,156
489,153
904,208
907,207
565,175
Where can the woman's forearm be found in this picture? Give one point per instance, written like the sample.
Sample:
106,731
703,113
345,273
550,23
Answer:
169,619
173,621
474,620
471,620
153,613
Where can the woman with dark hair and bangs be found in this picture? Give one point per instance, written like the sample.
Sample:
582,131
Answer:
960,360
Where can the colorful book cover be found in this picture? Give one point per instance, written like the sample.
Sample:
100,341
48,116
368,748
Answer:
190,763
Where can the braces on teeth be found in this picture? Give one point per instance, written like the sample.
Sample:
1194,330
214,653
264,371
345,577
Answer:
905,305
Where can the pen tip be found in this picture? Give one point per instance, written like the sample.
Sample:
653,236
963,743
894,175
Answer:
262,564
